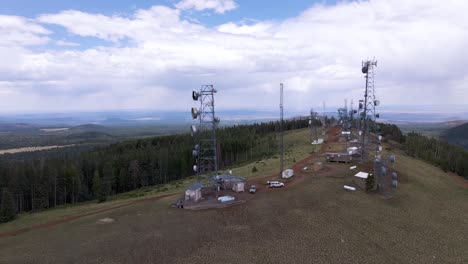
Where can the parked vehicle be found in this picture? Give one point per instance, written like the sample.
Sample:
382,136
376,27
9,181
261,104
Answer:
270,182
253,189
276,184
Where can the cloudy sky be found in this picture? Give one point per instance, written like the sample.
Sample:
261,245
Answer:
64,55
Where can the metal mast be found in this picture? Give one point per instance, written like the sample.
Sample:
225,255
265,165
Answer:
368,106
313,125
310,123
206,149
281,130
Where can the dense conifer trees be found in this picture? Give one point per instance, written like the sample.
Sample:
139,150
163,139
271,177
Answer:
34,182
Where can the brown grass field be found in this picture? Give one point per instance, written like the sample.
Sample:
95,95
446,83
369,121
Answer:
314,221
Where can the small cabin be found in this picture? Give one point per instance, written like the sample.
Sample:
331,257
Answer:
339,157
238,185
193,192
229,182
360,180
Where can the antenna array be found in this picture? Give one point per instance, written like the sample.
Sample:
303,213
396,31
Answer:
205,150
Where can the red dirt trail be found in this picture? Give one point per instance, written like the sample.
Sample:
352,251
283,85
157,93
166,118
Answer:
462,182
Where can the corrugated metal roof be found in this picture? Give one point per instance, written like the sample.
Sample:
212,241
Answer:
194,186
228,177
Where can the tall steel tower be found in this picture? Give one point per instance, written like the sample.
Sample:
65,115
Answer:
368,114
369,143
205,150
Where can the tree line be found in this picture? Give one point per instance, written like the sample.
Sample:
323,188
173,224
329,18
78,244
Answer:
438,152
33,182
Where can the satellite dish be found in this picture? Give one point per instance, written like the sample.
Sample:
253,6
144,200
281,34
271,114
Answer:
230,171
394,176
194,153
376,102
394,183
392,158
360,132
361,105
195,168
310,122
193,130
194,113
197,147
364,69
195,95
355,111
380,137
377,115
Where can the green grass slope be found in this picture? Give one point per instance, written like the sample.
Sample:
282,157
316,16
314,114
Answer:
316,221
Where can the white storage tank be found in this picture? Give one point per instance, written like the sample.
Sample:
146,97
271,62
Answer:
288,173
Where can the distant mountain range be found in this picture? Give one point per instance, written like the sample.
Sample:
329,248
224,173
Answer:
241,116
20,130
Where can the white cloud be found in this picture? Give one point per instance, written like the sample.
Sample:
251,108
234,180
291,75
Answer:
219,6
155,58
66,43
16,30
260,29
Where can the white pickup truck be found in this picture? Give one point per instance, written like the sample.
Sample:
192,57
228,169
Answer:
275,184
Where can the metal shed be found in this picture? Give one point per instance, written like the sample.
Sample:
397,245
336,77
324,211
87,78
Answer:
229,182
360,179
238,185
193,192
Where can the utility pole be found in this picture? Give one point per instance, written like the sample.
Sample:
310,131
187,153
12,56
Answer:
281,130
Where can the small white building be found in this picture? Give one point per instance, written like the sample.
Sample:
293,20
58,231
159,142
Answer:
238,185
360,179
193,192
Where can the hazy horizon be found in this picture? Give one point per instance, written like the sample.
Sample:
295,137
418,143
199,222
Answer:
227,116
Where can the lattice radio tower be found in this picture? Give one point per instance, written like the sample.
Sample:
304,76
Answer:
205,150
368,114
369,117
